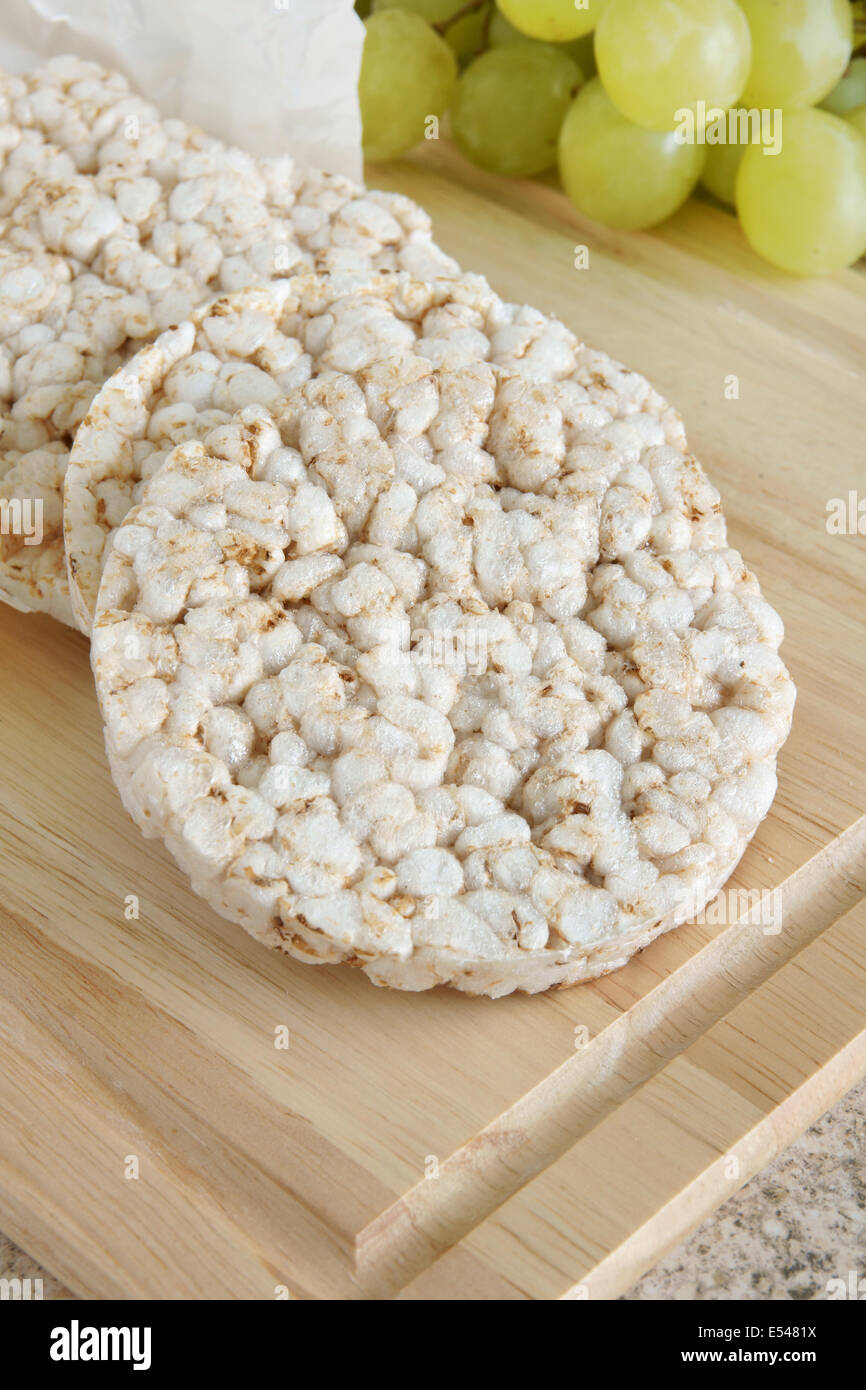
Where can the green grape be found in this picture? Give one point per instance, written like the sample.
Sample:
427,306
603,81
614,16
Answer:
720,171
857,119
799,50
619,173
510,104
660,57
555,21
407,74
465,37
500,34
804,209
850,90
363,7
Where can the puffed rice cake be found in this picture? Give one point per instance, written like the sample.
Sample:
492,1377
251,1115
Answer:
115,224
416,661
106,476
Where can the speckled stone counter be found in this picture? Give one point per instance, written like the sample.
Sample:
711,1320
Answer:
798,1224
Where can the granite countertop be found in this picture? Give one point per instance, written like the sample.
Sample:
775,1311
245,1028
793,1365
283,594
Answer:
799,1223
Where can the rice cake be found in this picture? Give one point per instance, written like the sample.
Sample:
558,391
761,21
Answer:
127,222
416,653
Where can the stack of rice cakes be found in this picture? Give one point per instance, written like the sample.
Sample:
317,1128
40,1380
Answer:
415,630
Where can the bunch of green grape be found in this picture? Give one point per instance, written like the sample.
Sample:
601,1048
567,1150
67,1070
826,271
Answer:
761,103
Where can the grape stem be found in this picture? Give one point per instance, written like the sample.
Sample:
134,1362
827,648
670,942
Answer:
485,30
445,24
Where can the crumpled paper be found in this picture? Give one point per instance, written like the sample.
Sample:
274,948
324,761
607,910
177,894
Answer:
272,76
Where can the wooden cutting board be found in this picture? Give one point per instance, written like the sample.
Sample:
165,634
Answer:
436,1146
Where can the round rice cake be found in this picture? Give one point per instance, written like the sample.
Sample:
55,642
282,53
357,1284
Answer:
63,332
418,656
94,172
118,223
109,470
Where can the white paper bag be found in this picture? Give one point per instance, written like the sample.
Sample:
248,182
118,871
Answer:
272,76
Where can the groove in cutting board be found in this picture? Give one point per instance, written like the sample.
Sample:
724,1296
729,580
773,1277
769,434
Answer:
548,1120
595,1221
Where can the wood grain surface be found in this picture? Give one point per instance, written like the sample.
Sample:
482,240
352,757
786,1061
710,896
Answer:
572,1137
